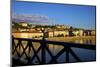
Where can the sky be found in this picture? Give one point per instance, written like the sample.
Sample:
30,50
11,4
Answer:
74,15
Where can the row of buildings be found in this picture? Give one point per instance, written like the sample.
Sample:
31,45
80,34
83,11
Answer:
59,31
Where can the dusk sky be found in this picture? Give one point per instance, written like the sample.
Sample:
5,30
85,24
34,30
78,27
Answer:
73,15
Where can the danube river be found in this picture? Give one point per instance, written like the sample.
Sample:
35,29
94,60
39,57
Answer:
83,54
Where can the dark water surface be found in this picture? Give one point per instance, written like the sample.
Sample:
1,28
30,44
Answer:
83,54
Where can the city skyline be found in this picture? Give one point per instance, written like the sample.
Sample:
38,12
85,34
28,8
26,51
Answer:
73,15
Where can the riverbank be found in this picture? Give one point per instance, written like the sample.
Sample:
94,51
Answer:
71,39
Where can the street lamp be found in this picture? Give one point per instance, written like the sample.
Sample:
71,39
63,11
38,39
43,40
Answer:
43,31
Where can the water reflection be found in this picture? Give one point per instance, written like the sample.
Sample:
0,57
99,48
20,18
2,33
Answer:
85,41
85,55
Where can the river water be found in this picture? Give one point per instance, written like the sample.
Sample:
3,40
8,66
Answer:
83,54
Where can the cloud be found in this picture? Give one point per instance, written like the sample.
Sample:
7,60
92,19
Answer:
37,19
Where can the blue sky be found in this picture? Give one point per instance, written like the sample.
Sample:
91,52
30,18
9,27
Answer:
73,15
